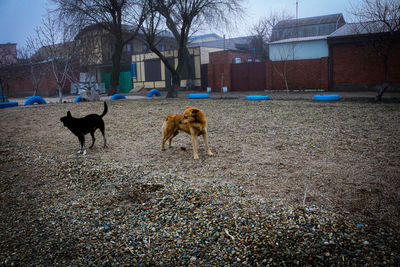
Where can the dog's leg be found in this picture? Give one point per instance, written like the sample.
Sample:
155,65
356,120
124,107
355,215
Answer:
104,136
93,139
195,155
165,135
165,138
82,142
170,139
105,141
163,142
205,137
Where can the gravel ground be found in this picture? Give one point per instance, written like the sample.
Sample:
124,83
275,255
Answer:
291,182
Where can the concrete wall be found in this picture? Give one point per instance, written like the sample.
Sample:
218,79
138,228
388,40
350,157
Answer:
205,54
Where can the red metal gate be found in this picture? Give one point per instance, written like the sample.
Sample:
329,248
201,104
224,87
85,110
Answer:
248,76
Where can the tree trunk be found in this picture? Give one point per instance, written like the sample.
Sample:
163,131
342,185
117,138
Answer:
176,76
174,88
189,80
385,85
59,94
116,61
286,83
113,89
381,91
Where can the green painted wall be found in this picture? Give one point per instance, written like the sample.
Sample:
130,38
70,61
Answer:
125,81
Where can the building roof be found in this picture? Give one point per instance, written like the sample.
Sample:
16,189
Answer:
193,38
239,43
125,28
370,27
326,19
349,29
306,27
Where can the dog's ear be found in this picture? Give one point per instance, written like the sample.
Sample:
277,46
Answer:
69,114
187,107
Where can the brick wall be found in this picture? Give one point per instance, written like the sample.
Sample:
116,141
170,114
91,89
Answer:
227,57
18,83
219,75
352,68
356,65
24,87
219,68
301,74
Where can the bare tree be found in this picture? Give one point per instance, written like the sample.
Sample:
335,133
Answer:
38,71
283,61
38,66
182,17
56,47
110,15
378,26
262,30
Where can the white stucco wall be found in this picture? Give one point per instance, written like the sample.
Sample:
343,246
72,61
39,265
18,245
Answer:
297,50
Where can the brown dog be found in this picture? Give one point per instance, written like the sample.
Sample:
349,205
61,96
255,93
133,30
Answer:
192,121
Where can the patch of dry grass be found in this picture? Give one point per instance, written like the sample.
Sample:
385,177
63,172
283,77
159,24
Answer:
343,156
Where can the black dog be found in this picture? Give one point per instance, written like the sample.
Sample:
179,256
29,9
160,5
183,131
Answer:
82,126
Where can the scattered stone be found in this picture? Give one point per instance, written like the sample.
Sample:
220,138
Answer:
106,214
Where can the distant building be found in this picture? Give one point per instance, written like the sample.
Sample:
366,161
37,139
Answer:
8,54
298,63
59,51
307,27
299,48
204,38
148,70
96,49
239,44
299,52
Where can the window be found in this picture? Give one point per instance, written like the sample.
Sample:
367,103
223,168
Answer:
152,69
185,71
128,47
237,60
144,48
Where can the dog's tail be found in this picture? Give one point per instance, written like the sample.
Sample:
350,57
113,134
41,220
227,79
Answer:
105,110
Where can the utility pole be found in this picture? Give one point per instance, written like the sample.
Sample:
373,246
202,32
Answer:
297,17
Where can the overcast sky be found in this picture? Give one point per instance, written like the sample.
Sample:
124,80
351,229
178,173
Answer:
18,18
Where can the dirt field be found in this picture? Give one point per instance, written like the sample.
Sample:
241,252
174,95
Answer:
342,156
